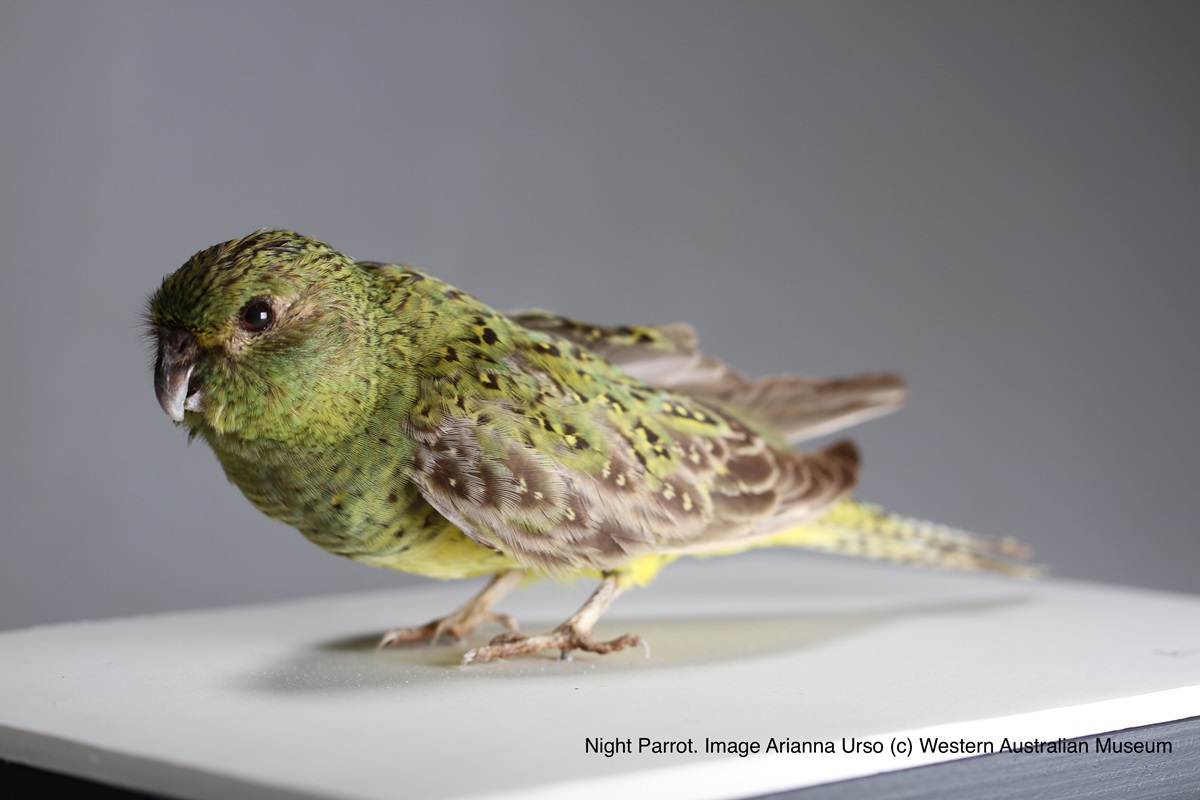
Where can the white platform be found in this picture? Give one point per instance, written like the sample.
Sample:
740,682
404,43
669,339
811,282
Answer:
290,700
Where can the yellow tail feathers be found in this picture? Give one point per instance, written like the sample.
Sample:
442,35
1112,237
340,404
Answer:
868,531
863,530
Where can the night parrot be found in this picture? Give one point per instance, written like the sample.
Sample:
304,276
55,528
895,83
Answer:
398,421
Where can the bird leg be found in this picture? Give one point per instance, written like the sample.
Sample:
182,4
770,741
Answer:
466,618
574,634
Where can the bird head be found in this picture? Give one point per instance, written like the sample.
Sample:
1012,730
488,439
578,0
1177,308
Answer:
265,337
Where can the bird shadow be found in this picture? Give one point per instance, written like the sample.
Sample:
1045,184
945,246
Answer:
353,663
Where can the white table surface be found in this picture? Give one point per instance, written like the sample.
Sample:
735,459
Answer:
290,699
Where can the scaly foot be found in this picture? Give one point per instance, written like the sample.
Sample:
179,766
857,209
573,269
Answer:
464,620
456,626
565,638
574,634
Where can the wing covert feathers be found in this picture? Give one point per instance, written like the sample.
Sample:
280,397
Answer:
644,496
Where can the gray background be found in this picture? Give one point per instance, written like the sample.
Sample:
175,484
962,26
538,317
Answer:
1002,201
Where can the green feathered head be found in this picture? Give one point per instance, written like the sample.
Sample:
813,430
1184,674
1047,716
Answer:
264,337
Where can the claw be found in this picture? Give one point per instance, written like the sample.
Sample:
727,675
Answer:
565,638
574,634
456,626
463,620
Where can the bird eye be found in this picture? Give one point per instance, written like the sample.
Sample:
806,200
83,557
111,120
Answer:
256,316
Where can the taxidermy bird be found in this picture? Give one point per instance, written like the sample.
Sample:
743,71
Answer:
396,420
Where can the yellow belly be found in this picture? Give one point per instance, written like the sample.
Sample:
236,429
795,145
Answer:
448,554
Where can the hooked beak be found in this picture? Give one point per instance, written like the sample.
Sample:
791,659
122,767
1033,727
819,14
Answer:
173,367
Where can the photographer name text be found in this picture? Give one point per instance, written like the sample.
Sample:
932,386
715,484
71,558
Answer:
899,747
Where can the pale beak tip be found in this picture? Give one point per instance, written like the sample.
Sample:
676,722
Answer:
173,373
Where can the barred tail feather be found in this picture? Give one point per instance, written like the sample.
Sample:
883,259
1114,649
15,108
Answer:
867,531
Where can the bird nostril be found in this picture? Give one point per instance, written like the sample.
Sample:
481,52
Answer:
177,343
